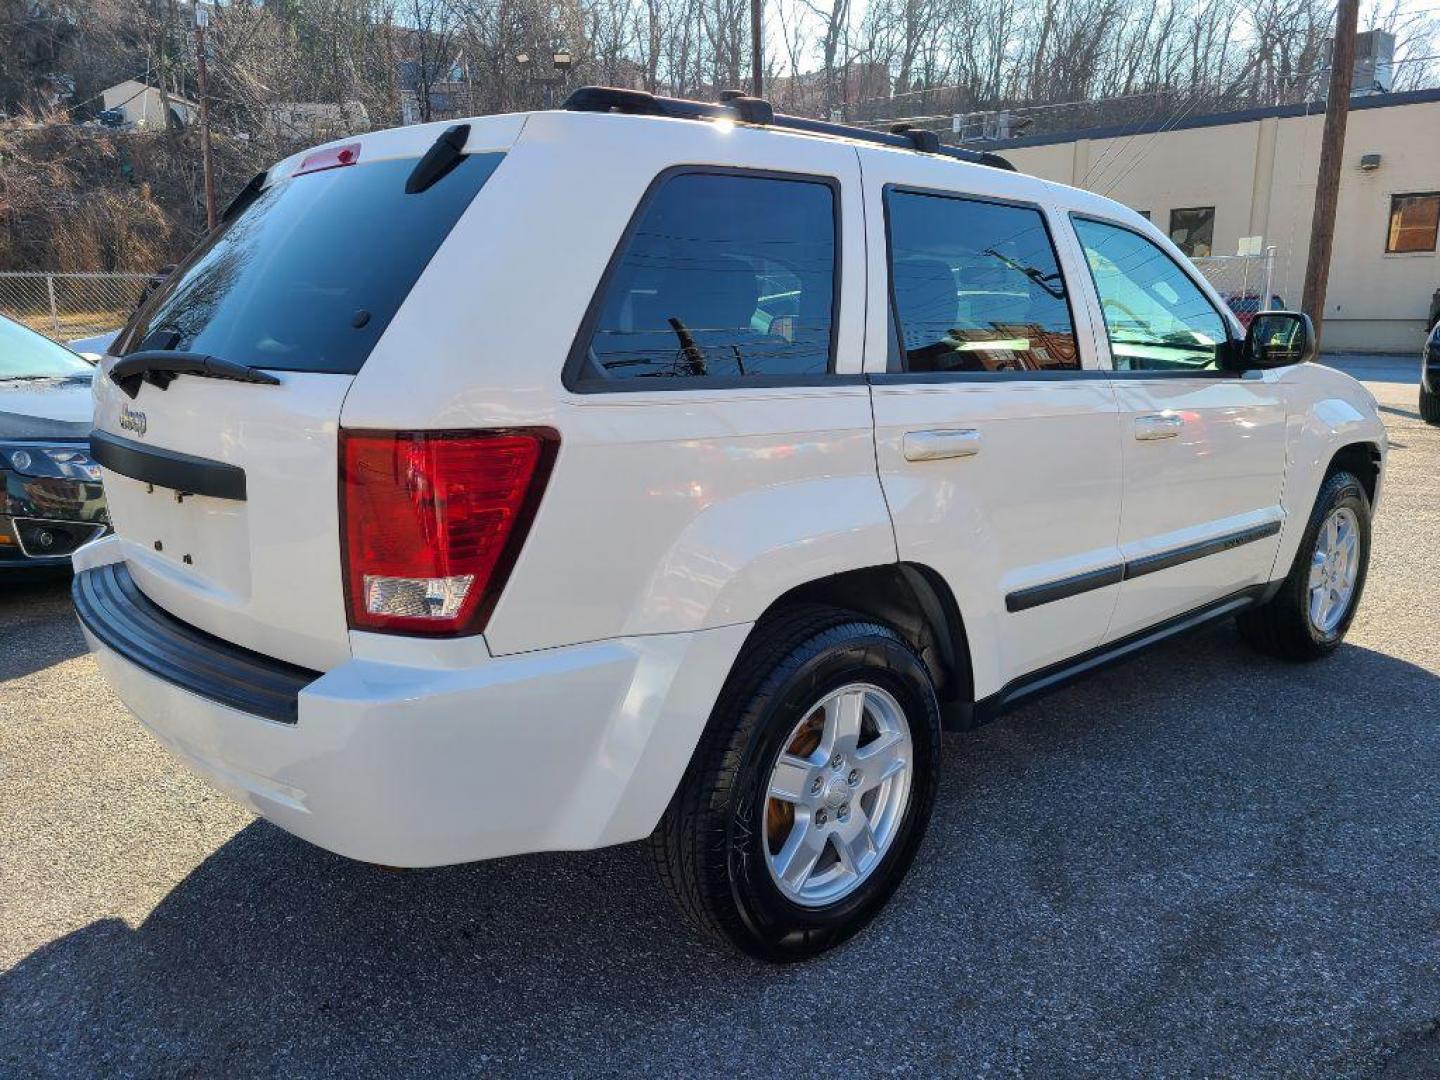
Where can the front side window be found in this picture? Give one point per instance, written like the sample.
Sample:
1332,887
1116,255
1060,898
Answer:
1156,317
977,286
723,276
1414,221
1193,230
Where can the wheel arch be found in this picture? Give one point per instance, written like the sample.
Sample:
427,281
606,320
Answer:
915,600
1363,460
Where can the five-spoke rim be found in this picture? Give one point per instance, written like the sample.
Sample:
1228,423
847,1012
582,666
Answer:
1334,566
837,794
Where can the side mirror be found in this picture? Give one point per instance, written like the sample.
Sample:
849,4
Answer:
1278,339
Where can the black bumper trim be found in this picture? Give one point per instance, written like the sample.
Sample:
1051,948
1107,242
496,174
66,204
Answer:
111,606
168,468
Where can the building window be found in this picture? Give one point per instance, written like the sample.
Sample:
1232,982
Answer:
1193,230
1413,222
1144,213
724,276
977,286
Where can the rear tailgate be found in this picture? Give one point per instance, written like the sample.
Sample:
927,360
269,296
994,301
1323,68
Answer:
224,494
262,571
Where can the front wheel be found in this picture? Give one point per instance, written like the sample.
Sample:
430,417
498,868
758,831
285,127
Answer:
1308,617
810,790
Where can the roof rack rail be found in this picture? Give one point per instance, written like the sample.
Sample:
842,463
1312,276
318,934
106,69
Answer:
734,105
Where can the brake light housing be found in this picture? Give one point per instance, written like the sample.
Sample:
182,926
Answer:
433,521
334,157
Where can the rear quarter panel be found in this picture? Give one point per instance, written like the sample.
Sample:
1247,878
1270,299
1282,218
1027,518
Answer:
667,510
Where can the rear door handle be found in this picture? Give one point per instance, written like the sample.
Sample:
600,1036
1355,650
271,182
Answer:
936,445
1158,426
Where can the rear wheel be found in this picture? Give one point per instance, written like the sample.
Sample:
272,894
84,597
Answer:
1308,617
811,788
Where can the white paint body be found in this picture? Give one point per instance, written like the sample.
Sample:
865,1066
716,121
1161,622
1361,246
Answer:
673,519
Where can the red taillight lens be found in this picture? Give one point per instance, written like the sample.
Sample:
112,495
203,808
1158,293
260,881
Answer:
433,522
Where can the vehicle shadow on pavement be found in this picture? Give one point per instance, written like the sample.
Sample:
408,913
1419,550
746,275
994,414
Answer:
1200,859
28,640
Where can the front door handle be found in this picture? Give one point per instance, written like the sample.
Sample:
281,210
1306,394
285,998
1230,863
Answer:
1164,425
936,445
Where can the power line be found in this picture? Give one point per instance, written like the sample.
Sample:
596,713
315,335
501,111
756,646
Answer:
1289,77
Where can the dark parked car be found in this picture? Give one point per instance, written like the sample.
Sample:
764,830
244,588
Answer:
1430,377
51,501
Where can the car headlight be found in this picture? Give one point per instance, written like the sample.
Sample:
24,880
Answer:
40,459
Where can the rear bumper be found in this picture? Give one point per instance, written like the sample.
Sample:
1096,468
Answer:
417,766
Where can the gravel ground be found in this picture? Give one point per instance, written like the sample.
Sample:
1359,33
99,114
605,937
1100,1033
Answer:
1199,863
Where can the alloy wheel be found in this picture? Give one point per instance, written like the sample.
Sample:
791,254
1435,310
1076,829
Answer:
837,794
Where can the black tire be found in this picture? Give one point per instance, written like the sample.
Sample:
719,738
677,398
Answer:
1282,627
1429,406
709,848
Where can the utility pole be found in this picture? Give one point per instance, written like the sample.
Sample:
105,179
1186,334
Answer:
757,68
1332,151
202,16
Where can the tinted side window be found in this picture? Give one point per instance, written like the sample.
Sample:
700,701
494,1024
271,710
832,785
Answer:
977,287
723,276
1157,318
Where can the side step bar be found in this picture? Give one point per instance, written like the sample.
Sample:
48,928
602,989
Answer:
962,716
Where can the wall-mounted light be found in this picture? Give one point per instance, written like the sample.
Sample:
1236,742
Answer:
562,59
1370,162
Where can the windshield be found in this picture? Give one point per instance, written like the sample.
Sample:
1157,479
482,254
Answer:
310,274
24,354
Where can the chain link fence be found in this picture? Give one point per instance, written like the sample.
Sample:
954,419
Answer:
69,306
1246,281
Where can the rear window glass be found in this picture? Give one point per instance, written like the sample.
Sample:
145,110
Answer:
724,276
976,286
308,277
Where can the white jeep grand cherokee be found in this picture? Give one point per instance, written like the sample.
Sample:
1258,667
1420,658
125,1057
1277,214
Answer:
650,468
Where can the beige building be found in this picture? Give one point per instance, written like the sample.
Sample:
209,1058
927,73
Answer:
144,106
1211,181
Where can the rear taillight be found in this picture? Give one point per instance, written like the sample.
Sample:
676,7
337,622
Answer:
433,522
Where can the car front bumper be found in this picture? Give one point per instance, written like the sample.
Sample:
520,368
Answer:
44,519
406,765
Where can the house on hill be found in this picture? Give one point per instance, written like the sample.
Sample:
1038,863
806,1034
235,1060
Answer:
144,106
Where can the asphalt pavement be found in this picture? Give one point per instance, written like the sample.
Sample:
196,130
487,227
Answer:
1202,862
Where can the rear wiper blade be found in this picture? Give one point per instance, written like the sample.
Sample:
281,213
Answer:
159,367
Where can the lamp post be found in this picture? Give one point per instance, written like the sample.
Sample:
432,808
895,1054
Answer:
561,59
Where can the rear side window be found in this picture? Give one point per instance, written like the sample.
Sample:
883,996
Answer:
310,274
722,276
976,286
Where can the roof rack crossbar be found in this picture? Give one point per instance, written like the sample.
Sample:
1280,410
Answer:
737,106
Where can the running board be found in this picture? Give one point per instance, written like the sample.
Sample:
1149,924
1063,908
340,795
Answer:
962,716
